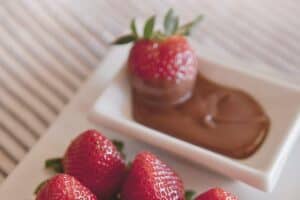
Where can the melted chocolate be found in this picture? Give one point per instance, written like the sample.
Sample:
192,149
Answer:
222,119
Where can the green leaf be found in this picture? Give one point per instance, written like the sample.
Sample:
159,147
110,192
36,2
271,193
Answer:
168,16
118,144
120,147
55,164
133,28
39,187
148,28
189,194
125,39
170,22
186,29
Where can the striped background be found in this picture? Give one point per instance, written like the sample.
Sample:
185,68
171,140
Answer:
49,48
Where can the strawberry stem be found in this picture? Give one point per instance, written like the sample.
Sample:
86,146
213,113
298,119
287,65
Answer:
55,164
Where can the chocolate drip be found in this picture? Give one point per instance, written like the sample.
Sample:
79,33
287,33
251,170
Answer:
223,119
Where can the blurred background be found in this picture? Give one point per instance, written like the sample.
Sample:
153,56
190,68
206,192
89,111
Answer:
48,49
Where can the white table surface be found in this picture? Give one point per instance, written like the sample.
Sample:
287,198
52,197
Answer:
73,120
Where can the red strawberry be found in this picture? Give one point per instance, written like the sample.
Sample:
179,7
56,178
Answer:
216,194
151,179
64,187
95,161
163,66
170,59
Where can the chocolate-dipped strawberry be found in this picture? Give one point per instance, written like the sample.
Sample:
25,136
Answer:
162,66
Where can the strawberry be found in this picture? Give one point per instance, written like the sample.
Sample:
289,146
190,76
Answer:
95,162
151,179
162,66
64,187
216,194
171,59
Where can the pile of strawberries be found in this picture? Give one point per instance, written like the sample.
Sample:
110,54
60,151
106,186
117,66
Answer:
93,168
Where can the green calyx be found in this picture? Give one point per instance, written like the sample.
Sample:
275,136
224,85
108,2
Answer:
40,186
189,194
171,27
120,147
54,164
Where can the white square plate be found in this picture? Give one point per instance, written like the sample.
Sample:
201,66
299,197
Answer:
30,172
262,169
